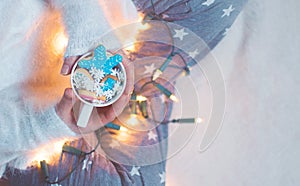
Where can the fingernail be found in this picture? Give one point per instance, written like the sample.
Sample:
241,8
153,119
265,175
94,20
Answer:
64,70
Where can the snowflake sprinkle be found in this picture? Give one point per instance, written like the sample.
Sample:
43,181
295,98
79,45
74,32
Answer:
98,74
98,89
108,94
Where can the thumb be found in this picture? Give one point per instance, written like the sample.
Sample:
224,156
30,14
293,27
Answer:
68,64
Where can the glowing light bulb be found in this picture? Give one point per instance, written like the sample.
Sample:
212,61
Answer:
132,120
58,146
183,73
143,26
123,134
131,47
141,98
138,27
174,98
40,156
123,129
48,152
141,17
166,91
156,74
60,41
198,120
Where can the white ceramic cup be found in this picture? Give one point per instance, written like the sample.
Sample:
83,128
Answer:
87,106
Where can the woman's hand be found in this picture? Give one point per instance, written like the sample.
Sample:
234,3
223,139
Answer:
68,64
66,109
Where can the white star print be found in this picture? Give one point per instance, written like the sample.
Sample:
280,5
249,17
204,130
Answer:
163,98
164,16
162,177
149,68
208,2
114,143
152,135
135,171
86,164
56,184
180,34
194,53
227,11
226,31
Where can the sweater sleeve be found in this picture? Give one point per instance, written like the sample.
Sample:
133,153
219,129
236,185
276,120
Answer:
85,24
24,127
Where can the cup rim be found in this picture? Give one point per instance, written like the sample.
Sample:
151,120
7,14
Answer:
114,99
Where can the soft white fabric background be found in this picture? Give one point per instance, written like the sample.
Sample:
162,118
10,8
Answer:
259,141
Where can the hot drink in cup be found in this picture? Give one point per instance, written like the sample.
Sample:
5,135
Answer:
98,80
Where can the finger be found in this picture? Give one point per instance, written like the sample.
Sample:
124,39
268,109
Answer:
68,64
66,101
109,113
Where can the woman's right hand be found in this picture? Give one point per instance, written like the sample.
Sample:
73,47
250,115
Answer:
100,116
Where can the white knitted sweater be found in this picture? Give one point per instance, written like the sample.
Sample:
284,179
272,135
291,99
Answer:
23,126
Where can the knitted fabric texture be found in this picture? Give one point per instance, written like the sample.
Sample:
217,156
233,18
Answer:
85,23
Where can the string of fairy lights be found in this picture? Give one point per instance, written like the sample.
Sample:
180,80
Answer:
138,105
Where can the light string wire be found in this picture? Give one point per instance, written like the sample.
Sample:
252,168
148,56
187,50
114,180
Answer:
81,154
74,151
